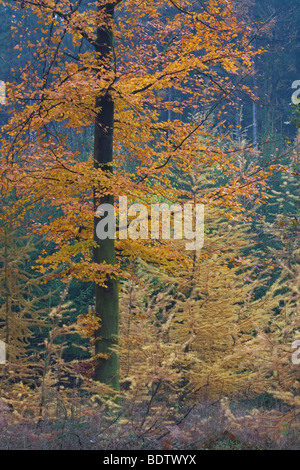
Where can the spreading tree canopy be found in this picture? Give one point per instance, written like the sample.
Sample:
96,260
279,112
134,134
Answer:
136,72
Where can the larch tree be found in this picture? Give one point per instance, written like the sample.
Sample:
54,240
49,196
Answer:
22,302
134,70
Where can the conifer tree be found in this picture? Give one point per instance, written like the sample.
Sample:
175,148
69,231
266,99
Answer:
22,301
281,338
204,313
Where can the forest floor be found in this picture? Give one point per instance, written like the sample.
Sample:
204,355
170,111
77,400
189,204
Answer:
207,427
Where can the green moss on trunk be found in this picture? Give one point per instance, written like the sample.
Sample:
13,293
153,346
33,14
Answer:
107,369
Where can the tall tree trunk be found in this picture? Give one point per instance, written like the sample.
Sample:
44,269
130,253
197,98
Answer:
107,368
254,116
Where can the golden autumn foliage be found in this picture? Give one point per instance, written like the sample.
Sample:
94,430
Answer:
158,47
134,71
149,79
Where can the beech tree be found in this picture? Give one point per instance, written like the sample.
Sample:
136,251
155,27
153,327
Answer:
135,70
